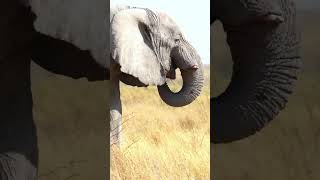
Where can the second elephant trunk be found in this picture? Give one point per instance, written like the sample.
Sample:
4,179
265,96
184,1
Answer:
266,65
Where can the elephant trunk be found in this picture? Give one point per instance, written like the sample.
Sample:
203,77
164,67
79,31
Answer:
266,65
189,63
192,84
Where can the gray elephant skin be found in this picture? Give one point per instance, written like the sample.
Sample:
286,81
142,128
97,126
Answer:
146,48
264,43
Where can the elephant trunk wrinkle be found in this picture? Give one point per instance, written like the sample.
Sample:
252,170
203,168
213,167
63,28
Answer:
258,91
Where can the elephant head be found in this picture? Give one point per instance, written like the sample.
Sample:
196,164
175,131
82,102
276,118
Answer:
148,46
264,45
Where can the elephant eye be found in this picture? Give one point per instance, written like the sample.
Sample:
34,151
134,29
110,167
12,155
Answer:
177,40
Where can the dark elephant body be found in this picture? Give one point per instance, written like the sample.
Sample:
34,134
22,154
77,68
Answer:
19,43
18,140
264,43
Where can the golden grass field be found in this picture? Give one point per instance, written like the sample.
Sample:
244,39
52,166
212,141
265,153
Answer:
162,142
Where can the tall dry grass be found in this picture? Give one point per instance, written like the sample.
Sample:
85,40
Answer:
162,142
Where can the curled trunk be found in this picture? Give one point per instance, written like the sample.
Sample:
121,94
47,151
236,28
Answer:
189,62
192,84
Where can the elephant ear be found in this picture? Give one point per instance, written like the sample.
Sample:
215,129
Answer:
82,23
132,47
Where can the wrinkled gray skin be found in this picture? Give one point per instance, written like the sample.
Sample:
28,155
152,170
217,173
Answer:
146,47
264,43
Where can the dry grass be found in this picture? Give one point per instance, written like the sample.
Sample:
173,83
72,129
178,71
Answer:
162,142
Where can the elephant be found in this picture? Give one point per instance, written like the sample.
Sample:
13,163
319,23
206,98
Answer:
21,44
159,48
264,41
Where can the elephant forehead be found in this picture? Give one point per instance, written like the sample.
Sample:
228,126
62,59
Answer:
167,24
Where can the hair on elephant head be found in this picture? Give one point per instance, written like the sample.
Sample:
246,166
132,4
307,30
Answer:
264,44
148,46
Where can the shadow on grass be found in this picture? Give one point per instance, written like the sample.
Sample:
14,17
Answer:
72,127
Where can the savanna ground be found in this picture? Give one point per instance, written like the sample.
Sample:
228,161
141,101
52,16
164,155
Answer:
72,128
289,147
162,142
